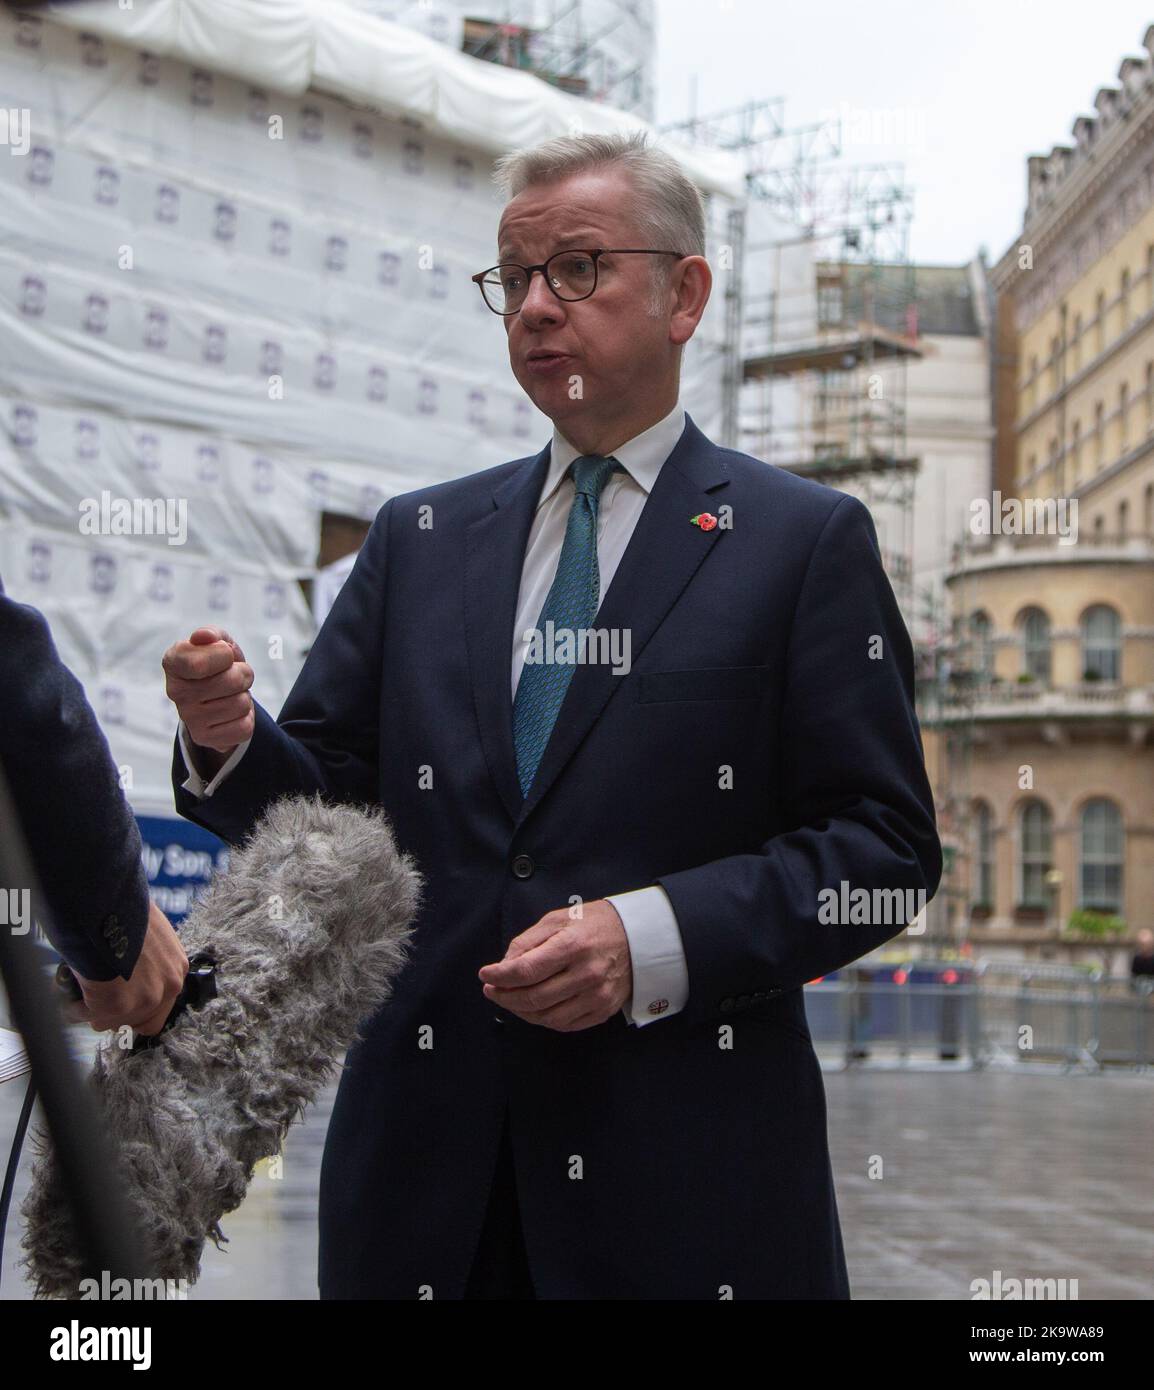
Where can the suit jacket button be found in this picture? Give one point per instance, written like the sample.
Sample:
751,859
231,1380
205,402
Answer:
523,866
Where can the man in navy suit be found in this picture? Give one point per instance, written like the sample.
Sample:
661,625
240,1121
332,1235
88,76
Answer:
81,835
595,1078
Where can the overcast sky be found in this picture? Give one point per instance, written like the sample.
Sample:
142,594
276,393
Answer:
960,91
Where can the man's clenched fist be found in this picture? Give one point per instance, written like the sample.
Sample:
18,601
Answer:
208,680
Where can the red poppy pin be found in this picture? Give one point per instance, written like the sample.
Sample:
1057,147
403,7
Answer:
705,520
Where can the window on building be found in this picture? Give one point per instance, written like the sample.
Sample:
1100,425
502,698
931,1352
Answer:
1123,417
1076,451
1035,853
1149,396
982,880
1077,343
1099,435
1035,631
1124,300
1123,519
830,309
981,645
1101,643
1100,323
1148,511
1149,278
1101,855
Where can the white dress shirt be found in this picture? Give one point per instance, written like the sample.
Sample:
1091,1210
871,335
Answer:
660,975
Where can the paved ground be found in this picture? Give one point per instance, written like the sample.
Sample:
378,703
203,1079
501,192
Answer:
1034,1175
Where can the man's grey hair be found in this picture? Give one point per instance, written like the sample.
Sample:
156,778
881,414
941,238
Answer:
669,210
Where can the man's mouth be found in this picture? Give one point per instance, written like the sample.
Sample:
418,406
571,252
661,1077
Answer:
541,362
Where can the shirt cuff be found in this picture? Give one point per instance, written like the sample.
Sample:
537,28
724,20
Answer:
195,783
660,973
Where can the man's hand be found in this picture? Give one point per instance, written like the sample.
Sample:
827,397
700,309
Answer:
563,972
208,680
145,999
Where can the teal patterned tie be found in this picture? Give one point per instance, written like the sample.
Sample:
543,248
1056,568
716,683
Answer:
571,603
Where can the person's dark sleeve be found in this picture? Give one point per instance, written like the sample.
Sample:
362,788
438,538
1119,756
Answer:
81,833
853,784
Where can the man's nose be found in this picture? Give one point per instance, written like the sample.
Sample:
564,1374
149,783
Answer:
541,304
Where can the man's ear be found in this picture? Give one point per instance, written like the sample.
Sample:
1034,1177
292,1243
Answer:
693,282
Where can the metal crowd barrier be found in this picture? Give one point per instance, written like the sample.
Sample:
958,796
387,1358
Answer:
981,1014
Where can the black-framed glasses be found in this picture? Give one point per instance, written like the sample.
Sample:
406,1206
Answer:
571,275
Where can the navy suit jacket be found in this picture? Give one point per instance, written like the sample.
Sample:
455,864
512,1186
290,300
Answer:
689,1157
81,833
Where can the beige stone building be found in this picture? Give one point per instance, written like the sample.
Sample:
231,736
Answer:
1041,721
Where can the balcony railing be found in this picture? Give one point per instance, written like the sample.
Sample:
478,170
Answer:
1035,699
992,552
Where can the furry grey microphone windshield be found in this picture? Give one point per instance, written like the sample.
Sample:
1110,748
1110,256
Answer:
308,926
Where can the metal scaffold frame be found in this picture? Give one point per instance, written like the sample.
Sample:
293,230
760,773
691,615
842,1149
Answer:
851,375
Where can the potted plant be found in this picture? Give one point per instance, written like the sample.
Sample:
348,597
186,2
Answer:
1095,923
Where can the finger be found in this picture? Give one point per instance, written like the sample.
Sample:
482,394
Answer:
567,1018
529,939
185,662
532,936
227,733
558,989
534,967
154,1022
233,684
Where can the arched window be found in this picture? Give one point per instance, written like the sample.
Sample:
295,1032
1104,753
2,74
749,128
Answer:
981,645
1101,856
982,881
1035,853
1035,629
1101,644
